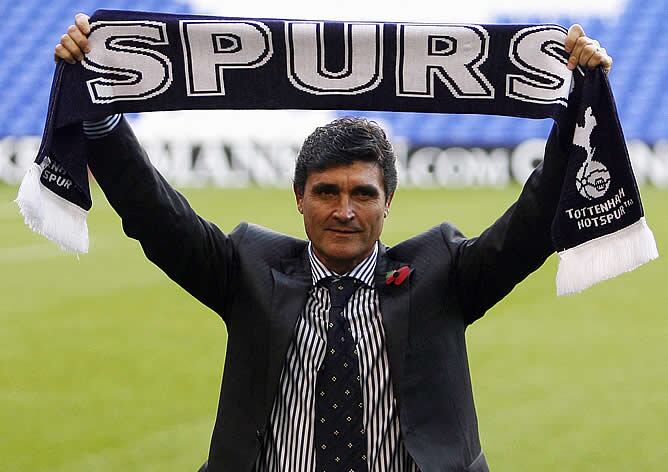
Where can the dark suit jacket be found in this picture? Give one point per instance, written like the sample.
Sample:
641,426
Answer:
257,280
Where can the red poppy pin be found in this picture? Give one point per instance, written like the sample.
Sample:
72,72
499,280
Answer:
397,276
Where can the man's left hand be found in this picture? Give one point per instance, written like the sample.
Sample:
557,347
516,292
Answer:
585,51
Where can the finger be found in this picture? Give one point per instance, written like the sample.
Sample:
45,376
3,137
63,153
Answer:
574,32
62,53
605,61
69,44
580,44
75,33
81,20
587,55
594,60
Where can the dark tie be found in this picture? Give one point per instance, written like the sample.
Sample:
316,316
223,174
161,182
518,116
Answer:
340,438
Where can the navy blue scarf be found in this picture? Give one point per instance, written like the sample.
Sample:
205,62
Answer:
149,62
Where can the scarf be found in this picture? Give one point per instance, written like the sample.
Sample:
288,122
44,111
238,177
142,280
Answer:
149,61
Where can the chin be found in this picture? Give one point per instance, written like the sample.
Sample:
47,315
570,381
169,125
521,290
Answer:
345,252
340,253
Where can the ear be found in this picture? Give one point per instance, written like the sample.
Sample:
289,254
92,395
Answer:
299,198
388,202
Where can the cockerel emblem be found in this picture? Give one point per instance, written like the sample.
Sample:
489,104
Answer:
592,179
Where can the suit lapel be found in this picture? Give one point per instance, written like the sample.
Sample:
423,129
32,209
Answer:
289,294
394,308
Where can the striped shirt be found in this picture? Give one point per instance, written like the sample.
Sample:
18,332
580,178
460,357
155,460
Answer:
289,442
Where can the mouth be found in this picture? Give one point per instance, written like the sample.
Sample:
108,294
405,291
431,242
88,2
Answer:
344,231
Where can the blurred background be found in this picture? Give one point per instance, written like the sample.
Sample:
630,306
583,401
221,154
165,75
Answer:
106,365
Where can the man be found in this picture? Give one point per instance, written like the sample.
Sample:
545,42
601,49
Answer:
343,355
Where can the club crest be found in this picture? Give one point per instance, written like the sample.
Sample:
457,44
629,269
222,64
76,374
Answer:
593,178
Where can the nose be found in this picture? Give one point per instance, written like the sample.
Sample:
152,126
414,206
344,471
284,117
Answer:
344,210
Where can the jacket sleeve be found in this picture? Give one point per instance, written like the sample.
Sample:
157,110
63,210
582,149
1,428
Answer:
488,267
190,250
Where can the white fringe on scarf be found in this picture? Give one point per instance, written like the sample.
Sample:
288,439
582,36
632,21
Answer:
51,216
606,257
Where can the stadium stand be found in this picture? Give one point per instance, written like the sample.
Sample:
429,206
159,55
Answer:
637,39
638,42
25,84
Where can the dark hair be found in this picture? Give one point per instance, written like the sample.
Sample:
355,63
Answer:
343,142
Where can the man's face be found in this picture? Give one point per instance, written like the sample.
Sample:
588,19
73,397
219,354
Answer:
344,208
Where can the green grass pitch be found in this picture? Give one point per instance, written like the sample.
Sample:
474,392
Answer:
106,365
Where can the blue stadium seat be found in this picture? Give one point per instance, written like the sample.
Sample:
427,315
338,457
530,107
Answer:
25,85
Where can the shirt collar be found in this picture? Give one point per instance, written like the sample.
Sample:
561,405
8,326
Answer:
362,272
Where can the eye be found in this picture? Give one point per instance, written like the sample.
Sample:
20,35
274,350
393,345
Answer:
325,190
366,193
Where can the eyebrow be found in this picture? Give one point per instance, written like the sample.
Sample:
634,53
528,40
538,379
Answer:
324,187
366,189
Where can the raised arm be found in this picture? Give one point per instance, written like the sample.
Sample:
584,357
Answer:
489,266
190,250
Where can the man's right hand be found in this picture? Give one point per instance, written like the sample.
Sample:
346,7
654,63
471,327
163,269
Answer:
74,44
